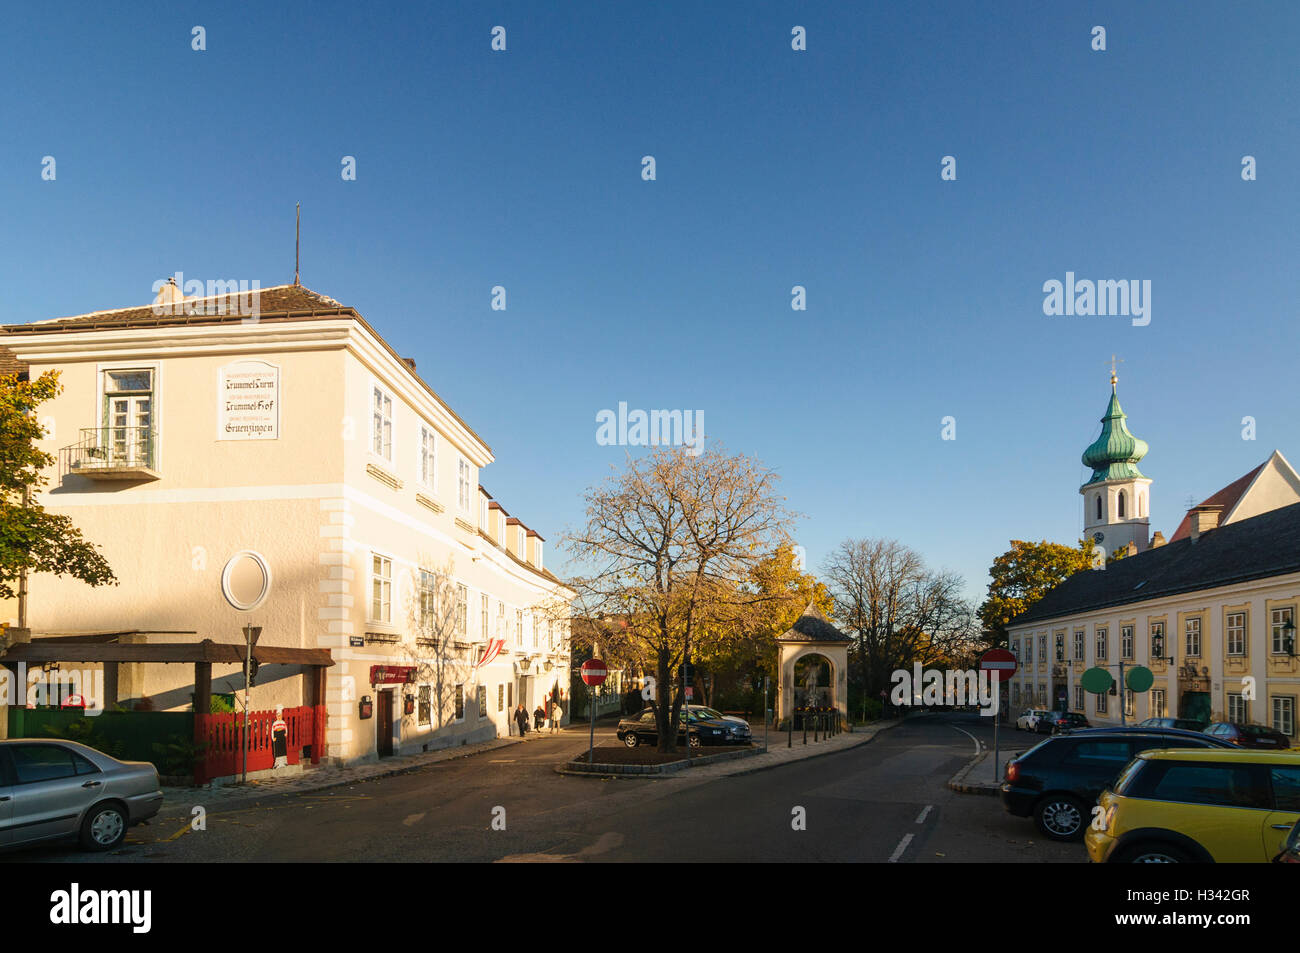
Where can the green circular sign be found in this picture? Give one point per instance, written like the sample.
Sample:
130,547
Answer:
1096,680
1139,679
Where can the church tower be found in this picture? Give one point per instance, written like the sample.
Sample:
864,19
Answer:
1116,500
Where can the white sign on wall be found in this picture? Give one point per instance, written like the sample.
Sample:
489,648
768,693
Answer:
248,401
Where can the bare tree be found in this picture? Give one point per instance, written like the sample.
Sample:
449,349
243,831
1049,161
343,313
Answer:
670,542
898,610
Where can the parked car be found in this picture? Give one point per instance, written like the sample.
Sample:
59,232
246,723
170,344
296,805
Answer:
1249,736
1290,853
1057,781
1029,718
1055,722
642,729
1187,724
743,729
52,789
1209,806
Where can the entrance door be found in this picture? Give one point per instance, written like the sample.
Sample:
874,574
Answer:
384,724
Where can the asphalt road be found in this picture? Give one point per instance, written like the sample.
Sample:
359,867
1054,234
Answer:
883,801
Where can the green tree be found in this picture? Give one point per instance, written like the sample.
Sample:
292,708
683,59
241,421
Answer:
1024,574
31,539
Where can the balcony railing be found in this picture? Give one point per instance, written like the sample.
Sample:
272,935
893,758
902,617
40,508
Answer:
115,453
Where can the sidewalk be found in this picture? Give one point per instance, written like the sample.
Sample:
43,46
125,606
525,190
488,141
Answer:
778,753
317,779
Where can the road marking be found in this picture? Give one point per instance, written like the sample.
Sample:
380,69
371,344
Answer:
505,761
413,819
968,735
921,818
902,846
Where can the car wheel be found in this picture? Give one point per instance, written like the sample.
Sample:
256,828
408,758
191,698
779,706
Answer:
696,741
1060,817
1154,854
104,828
631,740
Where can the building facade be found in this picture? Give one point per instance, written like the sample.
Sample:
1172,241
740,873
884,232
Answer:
1211,613
289,470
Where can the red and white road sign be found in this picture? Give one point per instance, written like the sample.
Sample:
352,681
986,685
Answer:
594,671
999,662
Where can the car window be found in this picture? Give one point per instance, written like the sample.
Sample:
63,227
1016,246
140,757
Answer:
1225,785
83,765
34,763
648,716
1286,787
1112,752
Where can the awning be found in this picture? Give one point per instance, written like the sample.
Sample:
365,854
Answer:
391,674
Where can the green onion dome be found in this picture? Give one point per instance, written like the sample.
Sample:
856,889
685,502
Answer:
1114,454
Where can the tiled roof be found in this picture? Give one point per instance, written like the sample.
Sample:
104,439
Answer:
812,626
1227,498
280,302
1255,548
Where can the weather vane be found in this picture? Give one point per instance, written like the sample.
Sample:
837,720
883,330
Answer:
1114,377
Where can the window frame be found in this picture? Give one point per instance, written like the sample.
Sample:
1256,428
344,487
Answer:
378,398
1275,628
1190,630
1287,706
387,586
1126,642
1242,630
1080,646
1101,636
427,459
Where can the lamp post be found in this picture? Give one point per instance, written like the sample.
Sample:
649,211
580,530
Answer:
251,634
1288,638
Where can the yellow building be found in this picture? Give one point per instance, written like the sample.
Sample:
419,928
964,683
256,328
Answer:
271,449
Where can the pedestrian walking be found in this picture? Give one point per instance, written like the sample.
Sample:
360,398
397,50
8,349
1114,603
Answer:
556,714
521,719
539,717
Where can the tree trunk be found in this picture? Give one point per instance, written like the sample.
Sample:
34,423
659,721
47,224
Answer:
663,706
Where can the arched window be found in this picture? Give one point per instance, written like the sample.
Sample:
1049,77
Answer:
1098,506
1121,505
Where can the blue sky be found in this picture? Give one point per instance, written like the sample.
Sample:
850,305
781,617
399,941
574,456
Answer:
775,168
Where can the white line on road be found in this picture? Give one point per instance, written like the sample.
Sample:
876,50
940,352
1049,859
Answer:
921,817
902,846
968,735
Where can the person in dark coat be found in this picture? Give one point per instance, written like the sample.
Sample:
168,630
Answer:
539,717
521,719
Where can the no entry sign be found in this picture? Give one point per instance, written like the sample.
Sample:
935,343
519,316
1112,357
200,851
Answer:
594,672
998,663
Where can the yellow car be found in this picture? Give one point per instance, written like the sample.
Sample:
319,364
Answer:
1190,805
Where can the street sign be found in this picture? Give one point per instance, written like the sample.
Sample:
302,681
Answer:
999,663
594,672
1139,678
1096,680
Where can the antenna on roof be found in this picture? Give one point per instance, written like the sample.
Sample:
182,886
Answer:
297,238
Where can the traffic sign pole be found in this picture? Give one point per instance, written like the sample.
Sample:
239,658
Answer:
594,674
997,716
1001,665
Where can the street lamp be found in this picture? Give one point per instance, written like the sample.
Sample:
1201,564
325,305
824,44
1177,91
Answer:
1288,638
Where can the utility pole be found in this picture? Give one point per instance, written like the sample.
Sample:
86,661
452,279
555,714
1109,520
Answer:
251,634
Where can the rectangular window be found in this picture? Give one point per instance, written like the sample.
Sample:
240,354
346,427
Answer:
381,428
1103,636
129,413
501,622
1042,696
501,698
1060,646
1130,702
1278,619
482,701
1235,629
1015,693
1284,714
1079,698
1029,649
1042,648
425,709
1101,704
1157,640
1015,647
460,702
1237,709
462,611
1159,709
1078,646
463,482
381,588
1193,630
510,695
483,616
428,459
1126,641
519,625
428,603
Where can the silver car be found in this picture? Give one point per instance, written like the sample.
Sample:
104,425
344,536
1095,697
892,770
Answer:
52,789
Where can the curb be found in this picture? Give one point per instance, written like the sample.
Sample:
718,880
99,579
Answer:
959,782
582,769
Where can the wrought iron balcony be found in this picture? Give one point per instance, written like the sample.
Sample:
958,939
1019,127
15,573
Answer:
115,453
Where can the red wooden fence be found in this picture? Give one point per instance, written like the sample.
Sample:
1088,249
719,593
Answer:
220,739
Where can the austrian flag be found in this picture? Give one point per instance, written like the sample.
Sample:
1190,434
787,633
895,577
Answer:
492,650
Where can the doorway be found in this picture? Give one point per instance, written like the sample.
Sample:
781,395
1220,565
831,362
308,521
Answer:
384,724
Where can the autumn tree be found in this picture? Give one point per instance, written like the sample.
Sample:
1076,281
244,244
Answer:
670,543
1024,574
31,539
897,610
